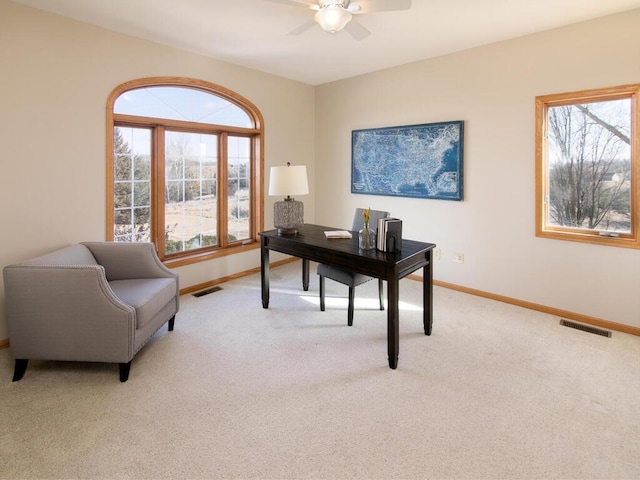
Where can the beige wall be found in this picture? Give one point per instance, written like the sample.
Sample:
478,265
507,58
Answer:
56,75
492,89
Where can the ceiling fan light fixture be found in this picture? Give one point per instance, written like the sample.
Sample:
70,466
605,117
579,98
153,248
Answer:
333,17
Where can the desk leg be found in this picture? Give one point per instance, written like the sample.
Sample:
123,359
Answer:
305,274
427,294
264,273
393,334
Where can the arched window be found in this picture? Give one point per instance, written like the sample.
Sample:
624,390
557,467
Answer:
184,168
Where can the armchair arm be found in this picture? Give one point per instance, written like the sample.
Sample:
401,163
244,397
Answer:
66,312
123,261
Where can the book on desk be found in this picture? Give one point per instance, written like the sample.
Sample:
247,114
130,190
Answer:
389,234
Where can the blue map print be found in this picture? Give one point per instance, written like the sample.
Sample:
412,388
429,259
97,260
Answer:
423,161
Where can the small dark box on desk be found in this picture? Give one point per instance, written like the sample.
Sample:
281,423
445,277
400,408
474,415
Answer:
389,235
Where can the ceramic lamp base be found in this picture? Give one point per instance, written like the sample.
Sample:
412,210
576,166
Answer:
288,216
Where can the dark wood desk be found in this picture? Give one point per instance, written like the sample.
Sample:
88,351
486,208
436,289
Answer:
310,244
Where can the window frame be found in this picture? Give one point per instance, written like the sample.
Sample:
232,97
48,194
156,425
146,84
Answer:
542,105
158,127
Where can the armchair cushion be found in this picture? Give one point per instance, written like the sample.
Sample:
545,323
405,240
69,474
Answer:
148,296
123,261
72,255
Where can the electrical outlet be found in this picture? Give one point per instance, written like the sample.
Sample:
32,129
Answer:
458,257
436,253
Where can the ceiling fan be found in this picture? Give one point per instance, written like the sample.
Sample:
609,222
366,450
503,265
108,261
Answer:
336,15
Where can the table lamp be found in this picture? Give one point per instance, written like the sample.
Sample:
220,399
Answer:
288,213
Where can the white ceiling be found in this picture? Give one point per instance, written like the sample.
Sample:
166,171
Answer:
254,33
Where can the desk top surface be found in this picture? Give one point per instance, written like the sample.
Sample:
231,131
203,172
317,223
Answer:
312,236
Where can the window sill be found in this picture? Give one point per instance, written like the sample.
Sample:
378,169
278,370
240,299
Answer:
624,242
198,257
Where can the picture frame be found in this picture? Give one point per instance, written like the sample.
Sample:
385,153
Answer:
417,161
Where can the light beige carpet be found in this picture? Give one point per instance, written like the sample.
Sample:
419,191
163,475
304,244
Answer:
236,391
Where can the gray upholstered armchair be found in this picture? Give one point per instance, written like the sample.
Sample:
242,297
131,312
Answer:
91,302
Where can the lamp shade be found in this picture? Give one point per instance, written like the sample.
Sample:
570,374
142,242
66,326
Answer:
333,17
288,181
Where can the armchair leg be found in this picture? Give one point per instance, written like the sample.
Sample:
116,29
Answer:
352,294
321,293
20,368
380,294
124,371
171,322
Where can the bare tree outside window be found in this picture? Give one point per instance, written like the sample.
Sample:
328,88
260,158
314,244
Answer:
590,166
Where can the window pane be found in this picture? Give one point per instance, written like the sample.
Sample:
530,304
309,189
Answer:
123,227
122,167
180,103
238,188
122,194
190,199
141,194
589,166
132,183
141,224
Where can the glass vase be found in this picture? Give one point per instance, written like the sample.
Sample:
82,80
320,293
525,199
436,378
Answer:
366,238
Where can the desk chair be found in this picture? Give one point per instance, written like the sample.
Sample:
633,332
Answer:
351,279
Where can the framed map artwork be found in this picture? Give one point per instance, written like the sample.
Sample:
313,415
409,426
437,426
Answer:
421,161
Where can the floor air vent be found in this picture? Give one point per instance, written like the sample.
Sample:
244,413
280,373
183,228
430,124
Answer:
585,328
202,293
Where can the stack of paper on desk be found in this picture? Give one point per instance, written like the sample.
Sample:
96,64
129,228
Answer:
337,234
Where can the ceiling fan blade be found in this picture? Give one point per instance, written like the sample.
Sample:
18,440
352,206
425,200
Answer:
357,30
368,6
297,3
302,28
